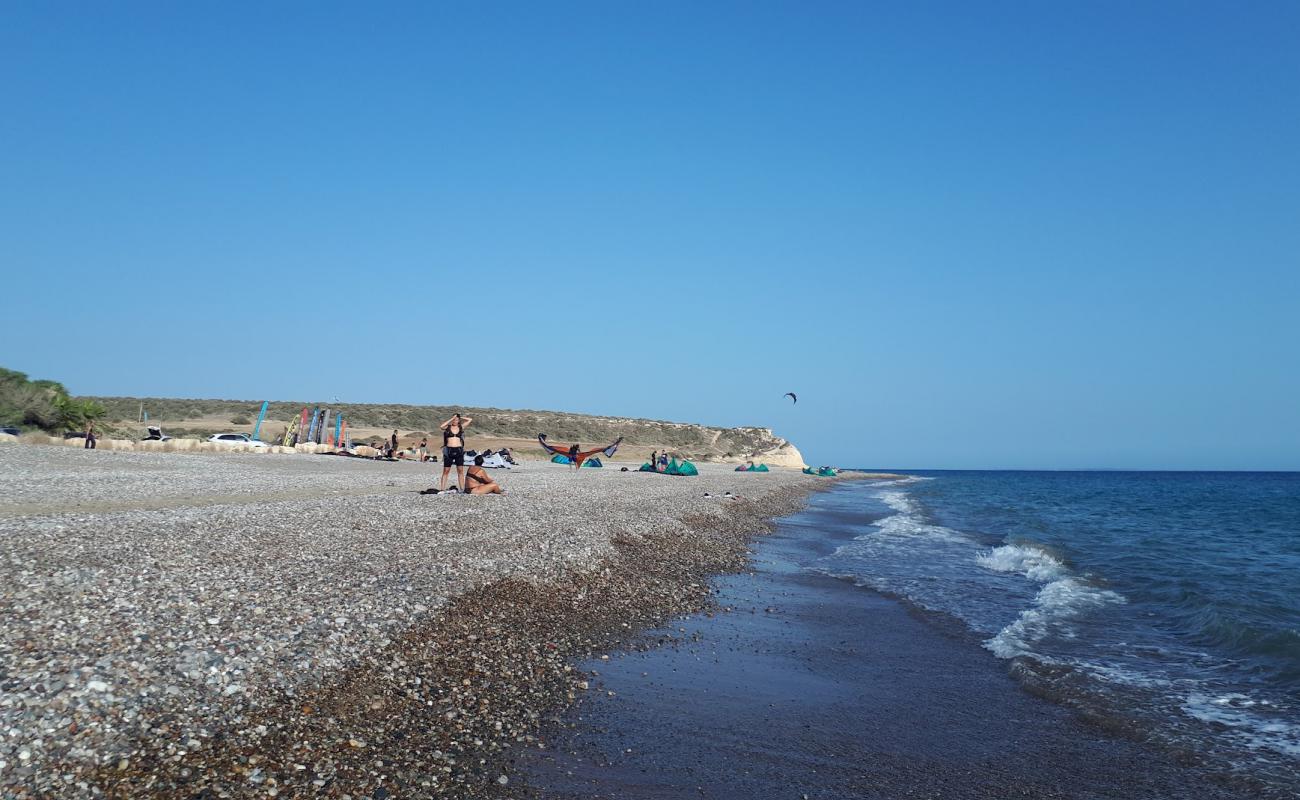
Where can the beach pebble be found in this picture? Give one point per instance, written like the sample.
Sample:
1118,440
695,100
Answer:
205,600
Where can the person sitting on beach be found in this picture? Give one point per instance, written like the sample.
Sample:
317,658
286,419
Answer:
453,448
483,483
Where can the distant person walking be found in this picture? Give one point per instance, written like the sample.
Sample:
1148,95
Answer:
573,456
423,452
654,459
663,461
453,448
90,435
393,450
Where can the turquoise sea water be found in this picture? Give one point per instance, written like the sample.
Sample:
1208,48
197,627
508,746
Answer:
1166,602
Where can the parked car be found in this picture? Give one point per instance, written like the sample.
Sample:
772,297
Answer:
236,438
74,435
11,430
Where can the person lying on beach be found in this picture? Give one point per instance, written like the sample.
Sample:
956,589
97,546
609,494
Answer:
453,448
479,482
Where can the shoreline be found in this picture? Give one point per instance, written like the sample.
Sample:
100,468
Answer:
805,685
438,703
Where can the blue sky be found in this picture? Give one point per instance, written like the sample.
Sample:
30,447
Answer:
1024,235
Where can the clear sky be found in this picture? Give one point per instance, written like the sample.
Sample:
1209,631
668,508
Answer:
1039,235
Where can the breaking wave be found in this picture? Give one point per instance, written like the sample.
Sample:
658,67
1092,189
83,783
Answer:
1078,615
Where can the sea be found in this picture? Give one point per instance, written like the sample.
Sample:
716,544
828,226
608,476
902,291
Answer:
1163,604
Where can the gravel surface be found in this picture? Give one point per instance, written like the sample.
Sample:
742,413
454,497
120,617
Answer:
175,623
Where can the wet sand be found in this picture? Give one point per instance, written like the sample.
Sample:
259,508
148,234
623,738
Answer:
810,687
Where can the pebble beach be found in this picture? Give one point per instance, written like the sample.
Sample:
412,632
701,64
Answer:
227,625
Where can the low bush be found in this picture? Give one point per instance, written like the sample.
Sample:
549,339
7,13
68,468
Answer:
43,404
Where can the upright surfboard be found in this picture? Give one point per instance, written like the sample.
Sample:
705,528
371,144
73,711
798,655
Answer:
260,416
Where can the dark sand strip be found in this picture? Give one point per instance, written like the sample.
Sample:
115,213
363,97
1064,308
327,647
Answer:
812,688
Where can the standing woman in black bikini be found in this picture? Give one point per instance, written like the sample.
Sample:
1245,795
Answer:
453,448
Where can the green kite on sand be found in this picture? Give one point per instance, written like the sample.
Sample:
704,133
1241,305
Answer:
675,467
824,472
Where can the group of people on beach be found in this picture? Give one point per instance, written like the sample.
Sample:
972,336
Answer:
659,460
453,455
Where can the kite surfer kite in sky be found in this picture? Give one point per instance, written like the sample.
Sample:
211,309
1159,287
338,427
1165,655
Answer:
575,456
791,395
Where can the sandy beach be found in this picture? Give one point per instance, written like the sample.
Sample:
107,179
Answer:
183,625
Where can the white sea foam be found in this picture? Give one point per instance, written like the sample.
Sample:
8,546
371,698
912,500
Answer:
1057,603
888,557
899,501
908,522
906,480
1112,673
1032,562
1249,718
909,526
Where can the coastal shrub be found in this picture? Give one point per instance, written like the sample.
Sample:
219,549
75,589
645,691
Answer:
43,404
240,420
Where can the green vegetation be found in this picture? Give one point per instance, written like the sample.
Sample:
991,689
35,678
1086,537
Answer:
240,420
43,404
